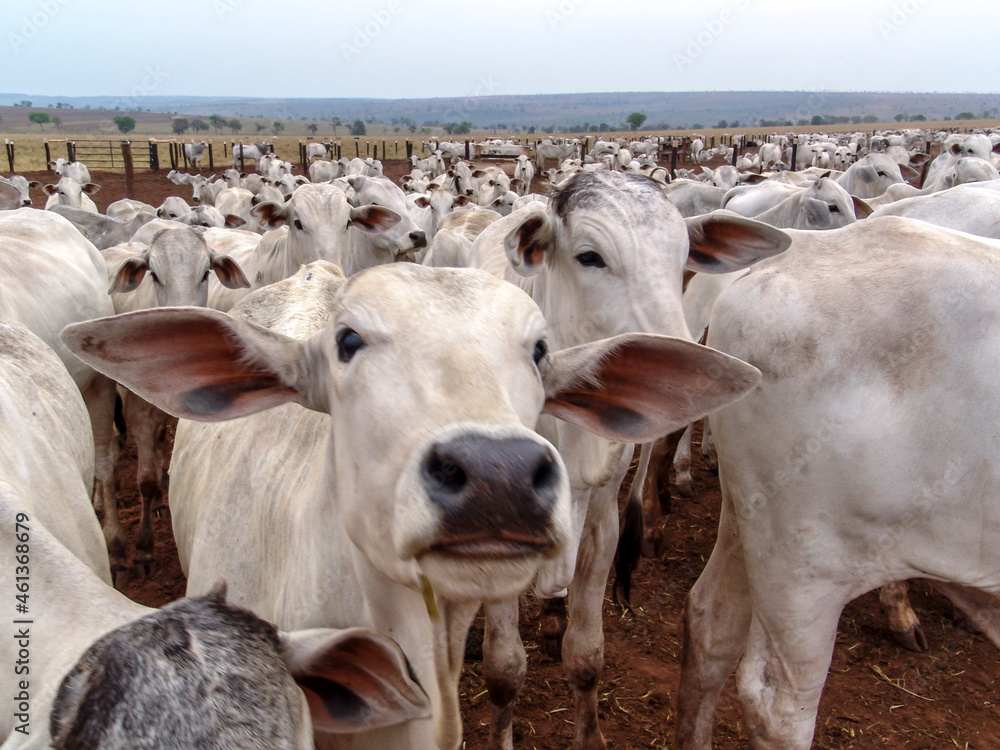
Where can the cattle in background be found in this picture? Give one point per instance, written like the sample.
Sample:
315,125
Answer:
249,151
194,152
69,192
321,150
75,170
22,185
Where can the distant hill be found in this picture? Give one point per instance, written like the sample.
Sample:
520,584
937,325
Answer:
674,109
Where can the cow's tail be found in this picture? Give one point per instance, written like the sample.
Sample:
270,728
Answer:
630,534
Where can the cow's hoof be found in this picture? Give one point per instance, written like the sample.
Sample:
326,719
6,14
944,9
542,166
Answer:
912,639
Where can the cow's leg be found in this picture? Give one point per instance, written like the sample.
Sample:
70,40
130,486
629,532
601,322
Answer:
716,622
982,608
708,447
682,465
149,429
661,451
903,621
553,626
583,644
504,667
787,657
99,397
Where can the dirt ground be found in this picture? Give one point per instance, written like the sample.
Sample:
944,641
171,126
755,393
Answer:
877,695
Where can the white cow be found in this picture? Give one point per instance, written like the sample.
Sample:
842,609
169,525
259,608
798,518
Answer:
605,256
50,276
95,664
248,151
177,264
315,151
422,388
972,208
195,152
75,170
826,490
558,152
871,175
319,223
69,192
525,172
127,209
22,185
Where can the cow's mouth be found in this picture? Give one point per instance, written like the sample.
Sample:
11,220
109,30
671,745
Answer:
506,547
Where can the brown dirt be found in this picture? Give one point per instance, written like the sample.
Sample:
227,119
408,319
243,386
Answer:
947,697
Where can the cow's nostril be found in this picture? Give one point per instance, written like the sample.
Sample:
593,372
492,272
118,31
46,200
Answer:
546,477
444,474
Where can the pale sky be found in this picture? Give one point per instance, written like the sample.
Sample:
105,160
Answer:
427,48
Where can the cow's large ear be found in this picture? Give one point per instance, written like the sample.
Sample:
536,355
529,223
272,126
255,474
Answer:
529,242
861,209
373,219
194,362
130,273
270,214
635,388
723,241
229,272
354,680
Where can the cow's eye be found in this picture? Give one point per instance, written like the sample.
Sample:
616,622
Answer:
205,277
590,258
298,224
541,349
349,342
834,208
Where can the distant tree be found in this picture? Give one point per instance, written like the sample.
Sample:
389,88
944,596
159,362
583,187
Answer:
261,127
180,125
603,127
635,120
802,122
125,123
39,118
277,126
531,130
550,129
946,118
816,120
722,124
412,128
312,128
235,125
899,118
594,129
57,121
199,124
336,124
697,126
869,119
217,122
918,118
358,128
965,116
856,119
464,127
23,103
449,127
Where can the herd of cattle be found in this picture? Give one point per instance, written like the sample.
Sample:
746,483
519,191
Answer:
369,451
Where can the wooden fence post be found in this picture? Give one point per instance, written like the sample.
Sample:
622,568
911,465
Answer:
70,150
48,157
154,155
211,161
673,159
409,151
10,153
466,150
129,174
242,168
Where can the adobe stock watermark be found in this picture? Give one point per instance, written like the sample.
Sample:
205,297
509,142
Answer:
562,12
33,24
900,15
223,8
153,76
370,29
698,43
